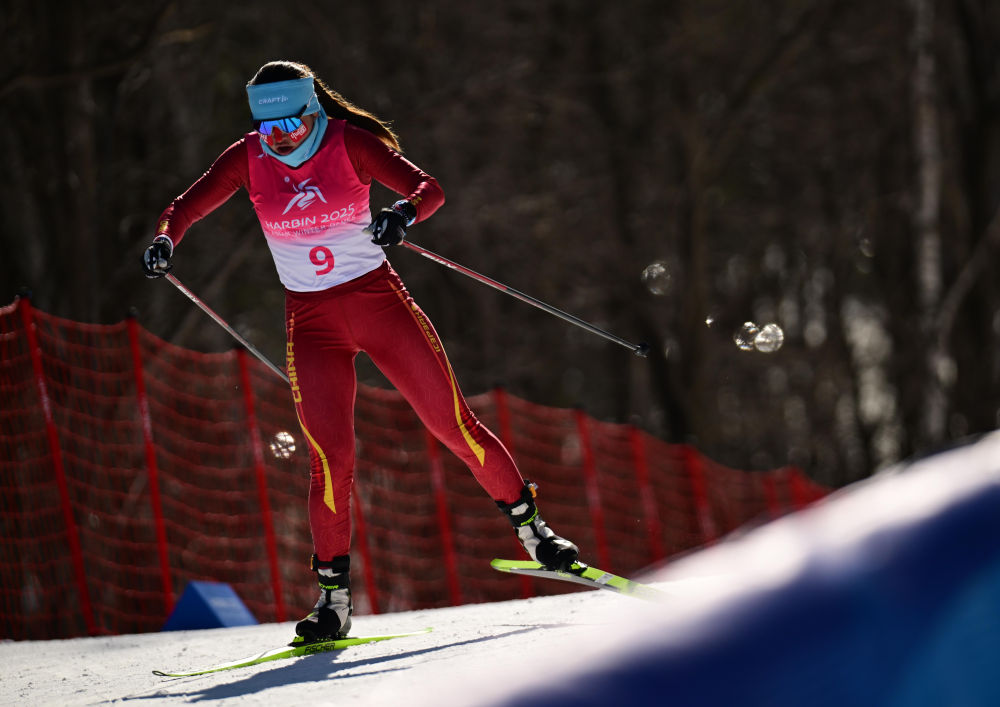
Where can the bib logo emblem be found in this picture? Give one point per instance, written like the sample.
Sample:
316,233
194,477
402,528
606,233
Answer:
305,194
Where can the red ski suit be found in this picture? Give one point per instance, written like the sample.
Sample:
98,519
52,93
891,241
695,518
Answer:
343,297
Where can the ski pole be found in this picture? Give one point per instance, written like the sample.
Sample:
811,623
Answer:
222,322
641,349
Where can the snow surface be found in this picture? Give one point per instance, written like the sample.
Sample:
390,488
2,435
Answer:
891,565
476,655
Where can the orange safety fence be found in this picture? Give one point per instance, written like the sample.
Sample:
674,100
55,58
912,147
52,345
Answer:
130,466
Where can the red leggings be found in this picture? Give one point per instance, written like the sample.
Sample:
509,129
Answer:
326,330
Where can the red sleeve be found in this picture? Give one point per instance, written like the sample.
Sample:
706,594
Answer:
223,179
373,159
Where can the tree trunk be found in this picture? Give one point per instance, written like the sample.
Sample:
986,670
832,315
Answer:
927,220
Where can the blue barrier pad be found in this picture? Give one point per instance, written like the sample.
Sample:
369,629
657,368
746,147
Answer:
208,605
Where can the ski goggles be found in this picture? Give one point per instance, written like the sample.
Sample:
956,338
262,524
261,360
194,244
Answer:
291,126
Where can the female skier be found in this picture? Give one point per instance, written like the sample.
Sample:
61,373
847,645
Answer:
307,167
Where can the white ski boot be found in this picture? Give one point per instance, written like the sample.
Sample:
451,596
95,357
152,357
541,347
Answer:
543,545
331,617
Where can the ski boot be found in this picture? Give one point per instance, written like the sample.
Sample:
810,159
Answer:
538,540
331,617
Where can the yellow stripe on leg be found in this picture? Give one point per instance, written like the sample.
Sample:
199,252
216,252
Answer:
473,444
327,474
435,345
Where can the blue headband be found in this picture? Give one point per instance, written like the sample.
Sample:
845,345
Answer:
282,98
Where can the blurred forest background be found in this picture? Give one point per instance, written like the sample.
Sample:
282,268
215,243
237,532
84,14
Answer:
830,166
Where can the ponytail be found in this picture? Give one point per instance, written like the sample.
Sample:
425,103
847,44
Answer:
336,106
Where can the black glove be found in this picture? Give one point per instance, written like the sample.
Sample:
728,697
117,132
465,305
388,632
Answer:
389,226
156,259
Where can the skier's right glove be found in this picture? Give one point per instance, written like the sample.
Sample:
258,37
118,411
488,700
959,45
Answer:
389,226
156,259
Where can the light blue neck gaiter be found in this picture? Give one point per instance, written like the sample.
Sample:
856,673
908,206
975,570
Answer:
282,99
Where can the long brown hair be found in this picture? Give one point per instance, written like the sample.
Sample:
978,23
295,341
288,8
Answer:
335,105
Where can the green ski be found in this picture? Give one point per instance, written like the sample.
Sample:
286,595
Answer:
294,650
583,574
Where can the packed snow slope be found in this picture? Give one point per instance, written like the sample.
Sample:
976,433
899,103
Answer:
885,594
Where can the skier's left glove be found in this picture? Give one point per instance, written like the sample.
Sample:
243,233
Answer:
156,258
389,226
